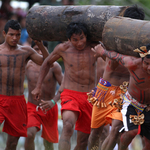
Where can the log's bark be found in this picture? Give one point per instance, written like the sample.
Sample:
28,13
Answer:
123,35
50,22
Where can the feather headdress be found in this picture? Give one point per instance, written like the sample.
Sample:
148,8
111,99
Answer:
142,51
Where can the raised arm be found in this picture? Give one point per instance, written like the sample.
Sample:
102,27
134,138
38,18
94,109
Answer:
37,58
127,61
42,48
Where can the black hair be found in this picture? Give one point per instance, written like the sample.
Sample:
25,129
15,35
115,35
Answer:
13,24
76,28
134,12
148,49
45,43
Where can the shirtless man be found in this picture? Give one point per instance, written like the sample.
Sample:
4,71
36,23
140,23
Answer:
13,60
79,78
36,116
113,76
136,101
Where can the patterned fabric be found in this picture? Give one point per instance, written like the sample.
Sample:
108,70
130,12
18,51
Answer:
128,98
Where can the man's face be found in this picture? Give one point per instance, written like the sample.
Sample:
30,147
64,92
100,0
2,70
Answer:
36,48
78,41
12,37
146,65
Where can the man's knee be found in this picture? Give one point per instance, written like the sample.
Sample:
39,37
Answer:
68,128
30,135
115,131
105,131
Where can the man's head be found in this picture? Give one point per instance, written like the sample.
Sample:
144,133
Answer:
134,12
12,32
146,59
36,48
77,34
13,24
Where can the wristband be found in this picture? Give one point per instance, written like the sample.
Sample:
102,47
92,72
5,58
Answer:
53,101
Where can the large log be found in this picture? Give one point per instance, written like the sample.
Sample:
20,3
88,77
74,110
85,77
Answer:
50,22
123,35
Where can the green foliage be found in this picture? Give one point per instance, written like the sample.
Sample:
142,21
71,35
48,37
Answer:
145,4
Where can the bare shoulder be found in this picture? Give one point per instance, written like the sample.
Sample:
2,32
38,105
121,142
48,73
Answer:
134,62
30,62
27,49
56,65
62,46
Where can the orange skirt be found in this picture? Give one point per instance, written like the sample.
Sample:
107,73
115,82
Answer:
104,115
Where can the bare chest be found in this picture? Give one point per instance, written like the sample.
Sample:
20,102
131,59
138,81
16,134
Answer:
13,60
79,60
32,74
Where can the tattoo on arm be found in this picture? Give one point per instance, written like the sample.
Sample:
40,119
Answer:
115,56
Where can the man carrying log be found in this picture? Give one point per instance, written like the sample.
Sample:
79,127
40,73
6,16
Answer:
79,78
136,101
13,60
107,90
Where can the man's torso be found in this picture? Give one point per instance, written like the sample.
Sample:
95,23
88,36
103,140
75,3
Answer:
48,86
12,70
139,87
79,69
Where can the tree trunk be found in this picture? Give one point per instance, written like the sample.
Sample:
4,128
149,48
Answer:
123,35
49,23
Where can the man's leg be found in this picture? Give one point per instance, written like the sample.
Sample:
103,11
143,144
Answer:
93,141
11,142
126,139
29,141
69,120
104,135
82,141
48,145
111,139
146,145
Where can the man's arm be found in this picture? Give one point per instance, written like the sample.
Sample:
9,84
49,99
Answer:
44,70
127,61
46,105
37,58
42,48
58,73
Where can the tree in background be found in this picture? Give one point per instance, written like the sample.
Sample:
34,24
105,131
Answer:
145,4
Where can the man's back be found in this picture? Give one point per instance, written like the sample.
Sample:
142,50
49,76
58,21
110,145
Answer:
117,75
